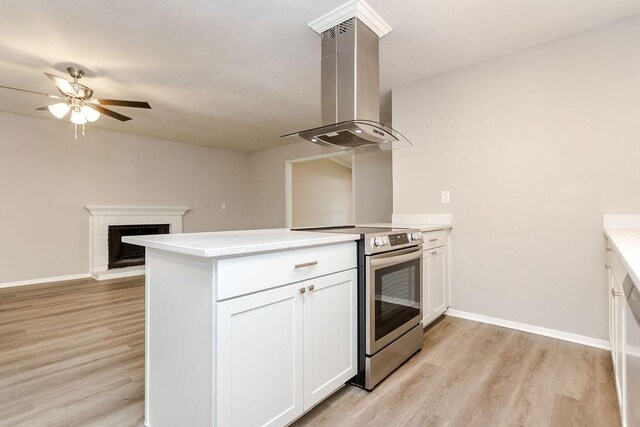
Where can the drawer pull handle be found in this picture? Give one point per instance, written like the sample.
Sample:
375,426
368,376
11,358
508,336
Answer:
305,264
607,266
433,240
609,250
434,252
302,290
311,288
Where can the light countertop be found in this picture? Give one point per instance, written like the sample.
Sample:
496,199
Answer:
242,242
421,227
626,243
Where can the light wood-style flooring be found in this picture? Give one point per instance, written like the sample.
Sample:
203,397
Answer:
474,374
72,354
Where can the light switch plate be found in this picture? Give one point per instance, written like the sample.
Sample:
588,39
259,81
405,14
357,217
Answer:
444,197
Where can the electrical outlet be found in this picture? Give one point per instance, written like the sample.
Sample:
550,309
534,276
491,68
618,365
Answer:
444,197
223,206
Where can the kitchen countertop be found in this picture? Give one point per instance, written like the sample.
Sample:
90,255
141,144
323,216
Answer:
421,227
626,243
242,242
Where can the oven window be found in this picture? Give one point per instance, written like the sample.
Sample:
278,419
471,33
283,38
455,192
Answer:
397,296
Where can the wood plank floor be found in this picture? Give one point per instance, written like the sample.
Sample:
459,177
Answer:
72,353
474,374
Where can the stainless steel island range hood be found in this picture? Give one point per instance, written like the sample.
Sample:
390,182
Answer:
350,81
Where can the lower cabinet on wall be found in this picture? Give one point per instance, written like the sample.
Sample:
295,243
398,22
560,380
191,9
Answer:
624,334
435,277
616,325
631,368
287,349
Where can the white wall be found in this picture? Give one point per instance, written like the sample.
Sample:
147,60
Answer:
267,200
47,177
535,147
373,187
321,194
373,182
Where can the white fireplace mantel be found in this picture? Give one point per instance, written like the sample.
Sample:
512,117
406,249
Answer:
104,216
135,210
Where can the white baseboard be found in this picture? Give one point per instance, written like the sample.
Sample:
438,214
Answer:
45,280
119,273
565,336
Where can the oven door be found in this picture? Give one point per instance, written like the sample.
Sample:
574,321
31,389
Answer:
394,303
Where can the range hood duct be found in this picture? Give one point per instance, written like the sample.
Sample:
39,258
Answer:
350,88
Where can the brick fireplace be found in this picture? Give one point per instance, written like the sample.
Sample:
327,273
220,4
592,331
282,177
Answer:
126,219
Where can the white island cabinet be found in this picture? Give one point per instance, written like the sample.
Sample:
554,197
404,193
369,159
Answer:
623,265
246,328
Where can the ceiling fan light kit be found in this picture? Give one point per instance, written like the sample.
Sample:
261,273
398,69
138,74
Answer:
59,110
77,98
90,114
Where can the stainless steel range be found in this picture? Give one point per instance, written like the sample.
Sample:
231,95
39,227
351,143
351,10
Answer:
389,299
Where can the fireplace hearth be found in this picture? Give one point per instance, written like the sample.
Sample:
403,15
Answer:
125,255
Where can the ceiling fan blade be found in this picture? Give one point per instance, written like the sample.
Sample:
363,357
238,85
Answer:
30,91
120,103
46,107
110,113
62,84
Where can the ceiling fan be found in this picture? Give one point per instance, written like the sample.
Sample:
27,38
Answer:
77,98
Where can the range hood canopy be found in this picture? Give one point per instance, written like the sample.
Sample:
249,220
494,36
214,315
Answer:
355,135
350,87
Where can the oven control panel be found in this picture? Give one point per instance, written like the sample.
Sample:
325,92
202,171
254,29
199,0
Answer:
382,242
398,239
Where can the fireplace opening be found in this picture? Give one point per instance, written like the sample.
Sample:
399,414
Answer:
125,255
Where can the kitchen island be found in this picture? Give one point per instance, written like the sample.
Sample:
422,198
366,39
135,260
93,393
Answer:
249,327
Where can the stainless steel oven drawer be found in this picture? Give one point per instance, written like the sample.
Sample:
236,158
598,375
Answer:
389,358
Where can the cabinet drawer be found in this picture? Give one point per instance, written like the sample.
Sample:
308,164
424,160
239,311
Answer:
433,239
433,251
254,273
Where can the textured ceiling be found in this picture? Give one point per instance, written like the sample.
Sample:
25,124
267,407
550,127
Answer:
237,74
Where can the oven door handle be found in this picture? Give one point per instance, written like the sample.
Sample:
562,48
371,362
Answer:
396,259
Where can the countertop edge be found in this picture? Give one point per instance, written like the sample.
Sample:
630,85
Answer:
421,227
240,249
623,257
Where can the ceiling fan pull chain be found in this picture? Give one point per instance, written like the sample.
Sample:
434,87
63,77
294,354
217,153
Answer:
75,131
83,129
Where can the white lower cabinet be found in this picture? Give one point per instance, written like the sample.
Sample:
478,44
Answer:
330,335
284,350
624,334
618,343
259,366
631,368
435,283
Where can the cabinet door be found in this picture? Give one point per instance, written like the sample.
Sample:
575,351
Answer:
611,312
259,367
631,410
330,335
426,297
437,292
617,348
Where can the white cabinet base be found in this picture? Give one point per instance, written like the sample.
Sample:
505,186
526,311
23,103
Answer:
282,351
179,343
435,282
259,362
257,359
330,335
